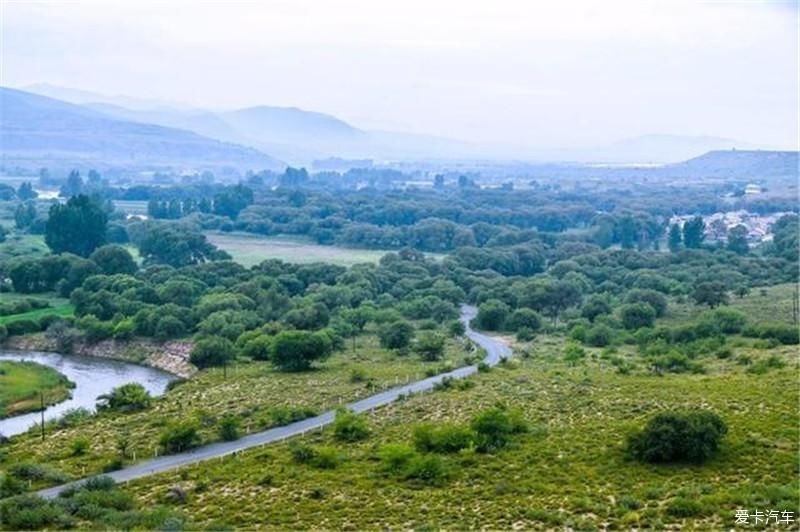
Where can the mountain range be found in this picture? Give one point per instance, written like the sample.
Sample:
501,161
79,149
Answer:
60,124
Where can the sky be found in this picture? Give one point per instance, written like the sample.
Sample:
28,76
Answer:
533,73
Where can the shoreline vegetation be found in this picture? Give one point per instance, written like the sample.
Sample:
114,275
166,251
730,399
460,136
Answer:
21,384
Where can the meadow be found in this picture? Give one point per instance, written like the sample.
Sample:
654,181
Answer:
569,470
249,250
22,382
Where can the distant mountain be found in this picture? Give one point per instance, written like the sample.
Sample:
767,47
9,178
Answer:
657,149
81,97
745,164
44,130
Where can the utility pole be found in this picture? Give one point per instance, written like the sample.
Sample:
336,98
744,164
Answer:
41,399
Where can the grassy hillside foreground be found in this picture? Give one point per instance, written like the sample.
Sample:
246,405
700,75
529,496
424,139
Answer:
569,470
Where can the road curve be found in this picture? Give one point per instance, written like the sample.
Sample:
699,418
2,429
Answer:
495,351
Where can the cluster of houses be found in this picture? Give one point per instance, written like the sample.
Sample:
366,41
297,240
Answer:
719,223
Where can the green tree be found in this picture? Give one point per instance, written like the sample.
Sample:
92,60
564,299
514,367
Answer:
212,351
112,260
78,227
492,315
180,437
694,232
712,293
737,240
396,335
25,191
349,426
637,315
298,350
675,239
430,346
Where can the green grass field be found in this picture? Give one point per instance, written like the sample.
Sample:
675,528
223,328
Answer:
569,471
249,250
131,207
58,310
28,246
22,382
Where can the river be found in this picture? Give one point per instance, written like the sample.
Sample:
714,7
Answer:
92,376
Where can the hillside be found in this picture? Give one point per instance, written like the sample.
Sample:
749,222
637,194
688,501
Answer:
46,131
741,164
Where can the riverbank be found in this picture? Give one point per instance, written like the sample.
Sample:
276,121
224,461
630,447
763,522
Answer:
171,356
26,384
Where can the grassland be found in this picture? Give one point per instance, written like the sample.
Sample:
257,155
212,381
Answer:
248,249
28,246
767,304
253,391
569,471
59,306
22,382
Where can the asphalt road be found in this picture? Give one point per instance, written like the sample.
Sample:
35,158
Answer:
495,350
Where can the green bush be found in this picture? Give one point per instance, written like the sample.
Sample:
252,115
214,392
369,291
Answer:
395,457
229,427
212,351
179,437
495,426
692,436
22,327
349,426
444,439
129,397
428,469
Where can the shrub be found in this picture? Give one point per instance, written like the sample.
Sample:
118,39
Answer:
301,453
526,318
326,458
21,327
600,335
79,446
650,297
349,426
430,346
445,439
179,437
395,335
785,334
637,315
728,320
456,328
692,436
395,457
495,426
126,398
229,427
428,469
573,353
492,315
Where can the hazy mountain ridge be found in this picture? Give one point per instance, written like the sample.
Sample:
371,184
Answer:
35,127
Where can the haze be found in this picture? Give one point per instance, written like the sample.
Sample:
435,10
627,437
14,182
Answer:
543,75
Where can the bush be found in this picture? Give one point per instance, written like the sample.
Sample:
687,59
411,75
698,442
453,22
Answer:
396,457
396,335
349,426
430,346
456,328
637,315
326,458
692,436
179,437
129,397
229,427
428,469
79,446
785,334
729,321
599,335
21,327
445,439
526,318
495,426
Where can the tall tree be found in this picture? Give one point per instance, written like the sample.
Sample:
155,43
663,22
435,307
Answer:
73,186
25,191
78,226
694,232
737,240
675,238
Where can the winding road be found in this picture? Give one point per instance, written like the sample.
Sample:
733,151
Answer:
495,351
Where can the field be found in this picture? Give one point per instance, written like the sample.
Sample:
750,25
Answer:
59,306
138,208
254,391
570,470
22,382
248,249
28,246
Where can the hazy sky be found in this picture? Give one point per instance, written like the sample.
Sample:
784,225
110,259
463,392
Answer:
539,73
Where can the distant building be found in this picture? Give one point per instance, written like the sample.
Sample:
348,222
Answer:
751,189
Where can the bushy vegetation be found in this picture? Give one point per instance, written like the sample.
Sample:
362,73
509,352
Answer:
676,436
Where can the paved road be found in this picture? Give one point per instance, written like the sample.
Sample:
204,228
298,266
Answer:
495,350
